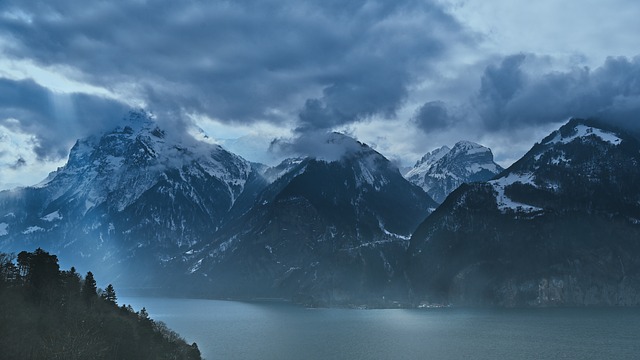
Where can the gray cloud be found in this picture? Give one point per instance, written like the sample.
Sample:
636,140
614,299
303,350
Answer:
20,162
520,91
512,96
55,120
329,146
433,116
325,63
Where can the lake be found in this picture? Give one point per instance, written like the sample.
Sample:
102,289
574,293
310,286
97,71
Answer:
271,330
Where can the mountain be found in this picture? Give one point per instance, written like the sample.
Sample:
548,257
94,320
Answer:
130,200
323,232
443,170
558,227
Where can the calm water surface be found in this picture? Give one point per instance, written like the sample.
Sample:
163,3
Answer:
239,330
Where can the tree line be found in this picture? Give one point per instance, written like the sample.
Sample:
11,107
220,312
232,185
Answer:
48,313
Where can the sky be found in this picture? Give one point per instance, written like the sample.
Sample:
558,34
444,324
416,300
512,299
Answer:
263,78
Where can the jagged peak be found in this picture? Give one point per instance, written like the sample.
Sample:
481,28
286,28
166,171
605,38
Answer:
468,148
142,146
433,156
137,120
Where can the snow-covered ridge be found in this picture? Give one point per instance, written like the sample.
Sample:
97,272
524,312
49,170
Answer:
582,131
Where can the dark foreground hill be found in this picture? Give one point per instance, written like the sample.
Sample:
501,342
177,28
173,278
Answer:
46,313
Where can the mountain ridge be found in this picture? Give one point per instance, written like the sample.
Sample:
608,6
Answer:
325,232
558,227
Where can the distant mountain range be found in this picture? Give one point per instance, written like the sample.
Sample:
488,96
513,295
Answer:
557,227
177,211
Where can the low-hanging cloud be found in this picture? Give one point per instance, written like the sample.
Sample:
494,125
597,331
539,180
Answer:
20,162
55,120
328,146
320,64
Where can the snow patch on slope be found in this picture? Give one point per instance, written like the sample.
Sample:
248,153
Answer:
512,178
584,131
505,204
52,216
32,229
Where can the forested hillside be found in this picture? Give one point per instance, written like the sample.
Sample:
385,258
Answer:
46,313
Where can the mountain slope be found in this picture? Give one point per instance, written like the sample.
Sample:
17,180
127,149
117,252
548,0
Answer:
323,232
558,227
134,197
443,170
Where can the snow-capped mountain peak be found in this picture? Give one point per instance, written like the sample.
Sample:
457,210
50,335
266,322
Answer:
580,151
136,187
130,159
443,170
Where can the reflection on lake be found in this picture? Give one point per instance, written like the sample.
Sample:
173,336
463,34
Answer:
241,330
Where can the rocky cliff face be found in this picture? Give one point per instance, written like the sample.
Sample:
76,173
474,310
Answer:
443,170
559,227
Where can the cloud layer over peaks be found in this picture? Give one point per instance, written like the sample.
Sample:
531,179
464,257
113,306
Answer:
320,63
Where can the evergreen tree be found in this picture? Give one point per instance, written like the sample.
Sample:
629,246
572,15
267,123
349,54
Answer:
41,274
43,269
89,288
110,294
143,314
24,258
71,281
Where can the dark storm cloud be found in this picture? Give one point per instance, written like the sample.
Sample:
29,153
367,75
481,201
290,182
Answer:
511,96
55,120
433,116
327,62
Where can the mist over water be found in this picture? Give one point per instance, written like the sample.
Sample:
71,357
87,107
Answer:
239,330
